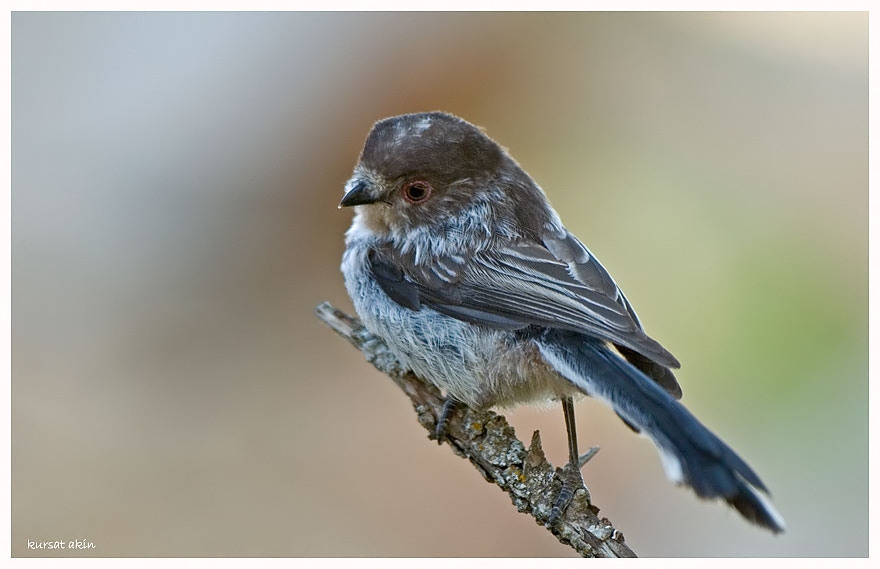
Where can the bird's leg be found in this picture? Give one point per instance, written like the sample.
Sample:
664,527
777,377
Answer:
570,430
571,474
450,404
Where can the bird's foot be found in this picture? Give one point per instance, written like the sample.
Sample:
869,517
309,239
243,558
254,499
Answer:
449,407
585,458
572,481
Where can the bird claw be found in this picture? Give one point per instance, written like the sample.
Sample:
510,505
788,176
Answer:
449,407
572,481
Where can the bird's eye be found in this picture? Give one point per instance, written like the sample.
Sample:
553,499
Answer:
416,192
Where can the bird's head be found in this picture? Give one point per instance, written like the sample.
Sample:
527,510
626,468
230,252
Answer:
422,170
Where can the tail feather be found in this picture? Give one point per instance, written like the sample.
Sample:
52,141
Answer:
691,454
659,373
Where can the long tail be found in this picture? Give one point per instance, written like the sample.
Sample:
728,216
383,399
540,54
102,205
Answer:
691,454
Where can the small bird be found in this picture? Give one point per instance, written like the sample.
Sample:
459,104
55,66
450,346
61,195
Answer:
457,260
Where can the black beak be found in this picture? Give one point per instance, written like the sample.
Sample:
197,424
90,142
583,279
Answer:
359,194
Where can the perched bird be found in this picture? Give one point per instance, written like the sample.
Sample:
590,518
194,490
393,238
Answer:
457,260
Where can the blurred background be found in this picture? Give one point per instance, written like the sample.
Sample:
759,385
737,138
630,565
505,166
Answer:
175,178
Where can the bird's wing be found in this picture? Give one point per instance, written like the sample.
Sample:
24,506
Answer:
555,284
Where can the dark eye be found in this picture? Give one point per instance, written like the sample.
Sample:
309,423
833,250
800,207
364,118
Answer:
416,192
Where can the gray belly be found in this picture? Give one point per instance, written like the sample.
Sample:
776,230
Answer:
477,365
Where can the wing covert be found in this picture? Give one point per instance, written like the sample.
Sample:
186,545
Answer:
559,285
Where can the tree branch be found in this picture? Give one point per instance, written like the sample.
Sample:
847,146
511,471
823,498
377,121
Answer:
489,442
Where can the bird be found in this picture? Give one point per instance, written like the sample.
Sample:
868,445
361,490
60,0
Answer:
457,260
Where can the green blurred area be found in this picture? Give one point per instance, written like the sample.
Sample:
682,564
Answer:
174,186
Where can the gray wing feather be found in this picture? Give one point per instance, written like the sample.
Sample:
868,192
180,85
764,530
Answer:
557,285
